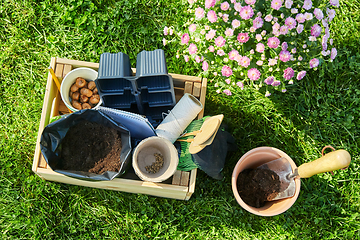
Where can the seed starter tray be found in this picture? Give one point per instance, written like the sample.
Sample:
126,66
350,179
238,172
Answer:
180,186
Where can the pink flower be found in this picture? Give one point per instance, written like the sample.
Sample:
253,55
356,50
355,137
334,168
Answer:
211,48
240,85
273,42
269,80
284,46
199,13
210,34
192,28
225,17
307,4
232,54
333,53
226,71
220,41
308,16
246,12
318,14
260,47
211,15
166,30
268,18
259,63
186,58
288,3
227,81
229,32
301,75
285,56
254,74
205,66
197,58
250,2
284,30
272,62
331,14
185,38
276,83
258,37
220,52
209,3
224,6
267,94
276,4
316,30
300,18
245,61
258,22
192,48
288,73
300,28
243,37
164,41
290,22
227,92
335,3
235,23
314,63
237,7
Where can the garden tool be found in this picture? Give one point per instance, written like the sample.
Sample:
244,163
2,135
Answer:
205,135
331,161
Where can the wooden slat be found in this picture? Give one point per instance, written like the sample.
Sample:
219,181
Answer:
45,114
176,178
191,184
202,97
67,69
188,87
184,178
59,68
196,89
121,184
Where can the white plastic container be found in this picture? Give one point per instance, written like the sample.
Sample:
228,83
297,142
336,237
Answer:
86,73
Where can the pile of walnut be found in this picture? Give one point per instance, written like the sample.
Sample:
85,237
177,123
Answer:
84,94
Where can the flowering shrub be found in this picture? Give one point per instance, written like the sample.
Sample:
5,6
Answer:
264,43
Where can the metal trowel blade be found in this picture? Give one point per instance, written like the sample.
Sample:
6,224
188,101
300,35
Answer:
282,168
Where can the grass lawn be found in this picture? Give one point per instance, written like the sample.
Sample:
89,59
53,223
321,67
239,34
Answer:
322,109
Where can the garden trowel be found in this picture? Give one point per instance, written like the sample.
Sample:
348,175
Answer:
329,162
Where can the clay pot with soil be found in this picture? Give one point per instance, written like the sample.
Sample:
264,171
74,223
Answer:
253,188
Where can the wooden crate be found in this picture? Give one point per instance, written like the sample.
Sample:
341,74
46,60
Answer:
180,186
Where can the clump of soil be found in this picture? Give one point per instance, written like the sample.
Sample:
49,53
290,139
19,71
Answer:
257,186
91,147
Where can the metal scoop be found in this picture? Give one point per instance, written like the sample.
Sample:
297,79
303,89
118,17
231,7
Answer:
329,162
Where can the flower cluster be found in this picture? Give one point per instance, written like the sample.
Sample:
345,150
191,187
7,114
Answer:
264,43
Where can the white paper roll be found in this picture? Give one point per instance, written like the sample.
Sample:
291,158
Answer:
179,118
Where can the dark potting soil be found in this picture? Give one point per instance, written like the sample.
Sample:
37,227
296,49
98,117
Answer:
257,186
91,147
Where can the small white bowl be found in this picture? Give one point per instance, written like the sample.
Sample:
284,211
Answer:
144,156
86,73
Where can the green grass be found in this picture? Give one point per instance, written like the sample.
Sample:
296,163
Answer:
320,110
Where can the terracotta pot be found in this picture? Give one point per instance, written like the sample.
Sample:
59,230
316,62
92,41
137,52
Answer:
252,159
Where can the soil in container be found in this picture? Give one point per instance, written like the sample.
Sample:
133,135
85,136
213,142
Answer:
91,147
257,186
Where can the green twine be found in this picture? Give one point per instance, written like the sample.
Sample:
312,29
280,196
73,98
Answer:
186,162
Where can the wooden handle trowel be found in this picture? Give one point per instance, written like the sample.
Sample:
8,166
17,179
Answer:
329,162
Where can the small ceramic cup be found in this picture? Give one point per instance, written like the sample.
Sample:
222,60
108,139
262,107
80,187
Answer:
86,73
